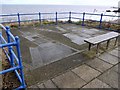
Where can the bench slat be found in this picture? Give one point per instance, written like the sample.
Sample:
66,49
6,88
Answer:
102,38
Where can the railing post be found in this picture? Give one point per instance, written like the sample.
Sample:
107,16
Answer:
0,38
69,17
40,18
83,19
56,19
20,61
18,19
100,25
9,47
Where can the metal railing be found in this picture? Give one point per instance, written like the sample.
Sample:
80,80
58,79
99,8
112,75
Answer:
66,15
14,60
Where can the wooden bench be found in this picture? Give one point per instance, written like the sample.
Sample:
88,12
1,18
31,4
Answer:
102,38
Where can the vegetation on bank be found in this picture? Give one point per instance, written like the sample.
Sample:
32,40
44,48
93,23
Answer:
89,23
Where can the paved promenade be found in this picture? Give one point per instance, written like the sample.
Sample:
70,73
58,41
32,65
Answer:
101,72
56,56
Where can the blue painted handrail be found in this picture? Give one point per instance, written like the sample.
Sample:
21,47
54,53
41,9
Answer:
12,56
55,17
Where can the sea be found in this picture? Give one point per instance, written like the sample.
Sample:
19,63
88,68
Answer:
24,9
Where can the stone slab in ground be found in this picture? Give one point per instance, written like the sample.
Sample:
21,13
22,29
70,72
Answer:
40,40
47,53
109,58
75,38
96,83
86,73
49,84
33,87
40,85
51,70
99,64
91,31
115,53
116,68
61,29
68,80
110,77
30,36
118,48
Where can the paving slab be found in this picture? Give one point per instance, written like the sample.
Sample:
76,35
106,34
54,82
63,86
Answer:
61,29
40,85
36,58
40,40
99,64
33,87
75,38
86,73
96,83
49,84
110,77
116,68
47,53
118,48
81,33
70,27
68,80
85,35
92,31
30,36
109,58
115,53
47,72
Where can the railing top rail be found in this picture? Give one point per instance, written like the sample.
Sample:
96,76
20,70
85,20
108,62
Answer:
6,29
28,13
8,14
54,13
3,26
111,15
76,13
63,12
92,14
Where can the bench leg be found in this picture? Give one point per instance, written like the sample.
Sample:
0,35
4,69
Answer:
97,48
89,46
107,44
116,41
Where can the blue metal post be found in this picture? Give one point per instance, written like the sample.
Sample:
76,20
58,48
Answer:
69,17
56,18
83,19
100,25
20,61
40,17
10,47
18,19
0,38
